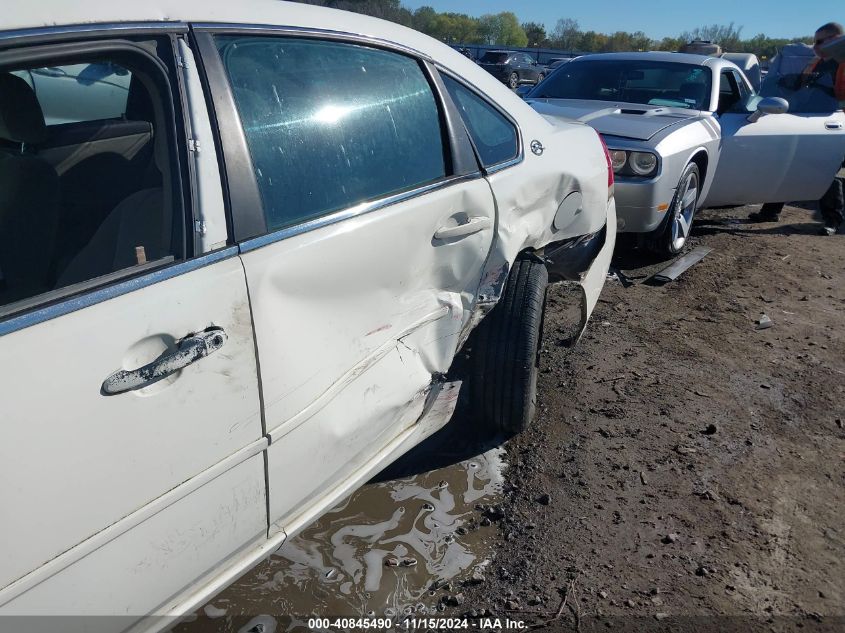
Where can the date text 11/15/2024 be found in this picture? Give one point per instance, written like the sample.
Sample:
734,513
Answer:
422,623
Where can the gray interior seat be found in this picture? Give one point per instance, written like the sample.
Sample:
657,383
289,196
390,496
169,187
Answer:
29,194
141,221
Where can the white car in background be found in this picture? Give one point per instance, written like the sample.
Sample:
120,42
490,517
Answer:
232,298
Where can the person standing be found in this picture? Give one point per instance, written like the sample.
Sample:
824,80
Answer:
826,74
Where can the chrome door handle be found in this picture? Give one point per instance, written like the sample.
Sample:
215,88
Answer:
833,125
473,225
190,349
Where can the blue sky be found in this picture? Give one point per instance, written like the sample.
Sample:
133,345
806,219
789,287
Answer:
661,18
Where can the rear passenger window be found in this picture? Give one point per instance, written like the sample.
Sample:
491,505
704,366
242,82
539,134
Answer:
330,125
88,182
494,136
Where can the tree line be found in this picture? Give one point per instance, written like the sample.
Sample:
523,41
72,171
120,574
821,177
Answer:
505,29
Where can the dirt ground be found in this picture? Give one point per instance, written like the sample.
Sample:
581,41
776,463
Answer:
686,468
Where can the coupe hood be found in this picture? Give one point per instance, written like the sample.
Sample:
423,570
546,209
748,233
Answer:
628,120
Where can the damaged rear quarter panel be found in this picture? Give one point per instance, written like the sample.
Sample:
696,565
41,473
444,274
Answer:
529,195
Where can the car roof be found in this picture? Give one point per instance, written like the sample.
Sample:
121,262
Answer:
26,14
657,56
61,15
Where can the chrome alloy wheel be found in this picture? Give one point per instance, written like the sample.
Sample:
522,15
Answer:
685,202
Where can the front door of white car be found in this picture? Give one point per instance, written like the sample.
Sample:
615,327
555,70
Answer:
132,443
776,158
366,267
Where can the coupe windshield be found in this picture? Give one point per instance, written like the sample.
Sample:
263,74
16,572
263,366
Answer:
631,81
494,58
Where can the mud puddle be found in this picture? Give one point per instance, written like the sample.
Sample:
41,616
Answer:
397,547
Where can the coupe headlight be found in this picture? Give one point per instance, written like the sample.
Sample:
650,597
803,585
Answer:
618,158
643,163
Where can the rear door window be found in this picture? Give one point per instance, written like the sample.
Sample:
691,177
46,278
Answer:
494,136
330,125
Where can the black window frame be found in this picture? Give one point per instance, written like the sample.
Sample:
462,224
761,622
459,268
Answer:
38,47
735,84
244,202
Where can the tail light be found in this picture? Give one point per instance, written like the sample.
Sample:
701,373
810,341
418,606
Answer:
609,166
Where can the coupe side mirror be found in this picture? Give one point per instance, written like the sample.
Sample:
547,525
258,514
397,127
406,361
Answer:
769,105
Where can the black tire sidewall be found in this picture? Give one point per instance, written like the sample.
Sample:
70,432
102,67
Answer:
505,352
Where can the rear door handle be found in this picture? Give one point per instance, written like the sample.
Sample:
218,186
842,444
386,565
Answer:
833,125
190,350
472,225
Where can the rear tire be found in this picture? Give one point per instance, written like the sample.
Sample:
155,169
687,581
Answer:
513,81
505,352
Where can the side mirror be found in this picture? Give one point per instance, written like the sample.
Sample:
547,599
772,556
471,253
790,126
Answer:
769,105
523,91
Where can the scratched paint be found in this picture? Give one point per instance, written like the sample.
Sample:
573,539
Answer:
393,548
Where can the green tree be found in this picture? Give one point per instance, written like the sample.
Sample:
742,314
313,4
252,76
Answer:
642,42
465,28
619,41
566,34
591,42
725,35
424,20
511,33
488,28
670,44
502,28
535,32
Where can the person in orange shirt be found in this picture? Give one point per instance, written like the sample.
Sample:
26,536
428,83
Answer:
826,74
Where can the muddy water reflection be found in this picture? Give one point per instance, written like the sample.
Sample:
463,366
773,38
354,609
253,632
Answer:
380,553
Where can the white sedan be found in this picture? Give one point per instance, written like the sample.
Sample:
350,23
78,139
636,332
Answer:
234,298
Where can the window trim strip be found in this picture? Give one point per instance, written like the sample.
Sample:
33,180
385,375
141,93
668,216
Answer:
73,304
351,212
225,28
46,34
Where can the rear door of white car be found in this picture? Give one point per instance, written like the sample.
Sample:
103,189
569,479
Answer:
130,436
779,157
363,222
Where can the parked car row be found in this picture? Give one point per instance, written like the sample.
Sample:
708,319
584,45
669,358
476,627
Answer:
240,247
513,68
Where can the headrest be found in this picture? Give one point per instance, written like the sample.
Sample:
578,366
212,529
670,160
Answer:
21,118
